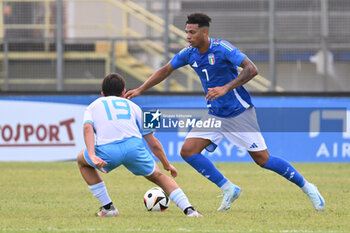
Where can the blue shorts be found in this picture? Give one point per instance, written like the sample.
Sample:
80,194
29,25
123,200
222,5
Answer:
130,152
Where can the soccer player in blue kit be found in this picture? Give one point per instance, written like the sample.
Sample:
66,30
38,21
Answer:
216,61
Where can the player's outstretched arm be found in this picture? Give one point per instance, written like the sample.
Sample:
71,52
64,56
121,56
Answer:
248,72
89,138
157,77
157,149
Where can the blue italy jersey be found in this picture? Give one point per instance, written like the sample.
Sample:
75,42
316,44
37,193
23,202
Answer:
216,67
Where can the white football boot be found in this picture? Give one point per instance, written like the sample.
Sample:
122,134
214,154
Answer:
230,194
316,198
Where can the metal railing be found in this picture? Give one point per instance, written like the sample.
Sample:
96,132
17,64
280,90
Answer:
50,58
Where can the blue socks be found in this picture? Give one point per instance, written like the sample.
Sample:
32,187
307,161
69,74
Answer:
285,169
206,167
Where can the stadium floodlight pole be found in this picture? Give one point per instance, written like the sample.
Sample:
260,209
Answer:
166,40
324,41
59,45
272,45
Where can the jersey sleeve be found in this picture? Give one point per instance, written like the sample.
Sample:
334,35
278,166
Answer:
88,117
233,54
180,59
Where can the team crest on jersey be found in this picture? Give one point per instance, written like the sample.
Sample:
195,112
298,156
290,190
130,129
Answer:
211,58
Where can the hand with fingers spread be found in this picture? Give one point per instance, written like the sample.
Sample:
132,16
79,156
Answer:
215,92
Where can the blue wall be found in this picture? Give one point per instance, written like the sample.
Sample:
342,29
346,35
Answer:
293,145
297,145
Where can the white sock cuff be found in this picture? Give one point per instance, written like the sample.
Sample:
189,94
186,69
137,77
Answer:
227,184
175,193
180,198
96,186
305,187
99,190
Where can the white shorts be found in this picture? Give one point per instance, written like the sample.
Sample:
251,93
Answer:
243,131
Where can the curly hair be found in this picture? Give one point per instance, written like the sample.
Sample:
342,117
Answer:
201,19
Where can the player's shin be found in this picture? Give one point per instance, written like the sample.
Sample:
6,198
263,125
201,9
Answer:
285,169
100,192
206,167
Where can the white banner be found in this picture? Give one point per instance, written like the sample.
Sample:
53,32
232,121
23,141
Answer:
40,131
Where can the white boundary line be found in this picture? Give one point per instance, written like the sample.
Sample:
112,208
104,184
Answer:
54,229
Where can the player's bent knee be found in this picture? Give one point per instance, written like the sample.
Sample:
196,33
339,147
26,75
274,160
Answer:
155,177
260,163
80,159
193,146
186,152
260,157
156,173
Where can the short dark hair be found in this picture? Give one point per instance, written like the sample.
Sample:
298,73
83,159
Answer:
113,84
201,19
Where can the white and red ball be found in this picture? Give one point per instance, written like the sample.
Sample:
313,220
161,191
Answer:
155,199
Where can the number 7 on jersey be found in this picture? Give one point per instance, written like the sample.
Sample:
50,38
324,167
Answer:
206,74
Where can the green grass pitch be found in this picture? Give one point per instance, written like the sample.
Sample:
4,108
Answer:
52,197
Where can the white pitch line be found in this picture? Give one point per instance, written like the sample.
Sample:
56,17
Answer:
54,229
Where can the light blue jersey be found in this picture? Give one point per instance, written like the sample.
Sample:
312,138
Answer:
114,119
117,125
216,67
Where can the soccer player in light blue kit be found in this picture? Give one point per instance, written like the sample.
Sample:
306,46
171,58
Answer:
216,61
116,124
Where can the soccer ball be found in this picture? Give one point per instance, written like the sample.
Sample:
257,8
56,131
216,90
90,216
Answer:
155,199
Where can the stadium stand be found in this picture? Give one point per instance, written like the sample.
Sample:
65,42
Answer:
28,54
